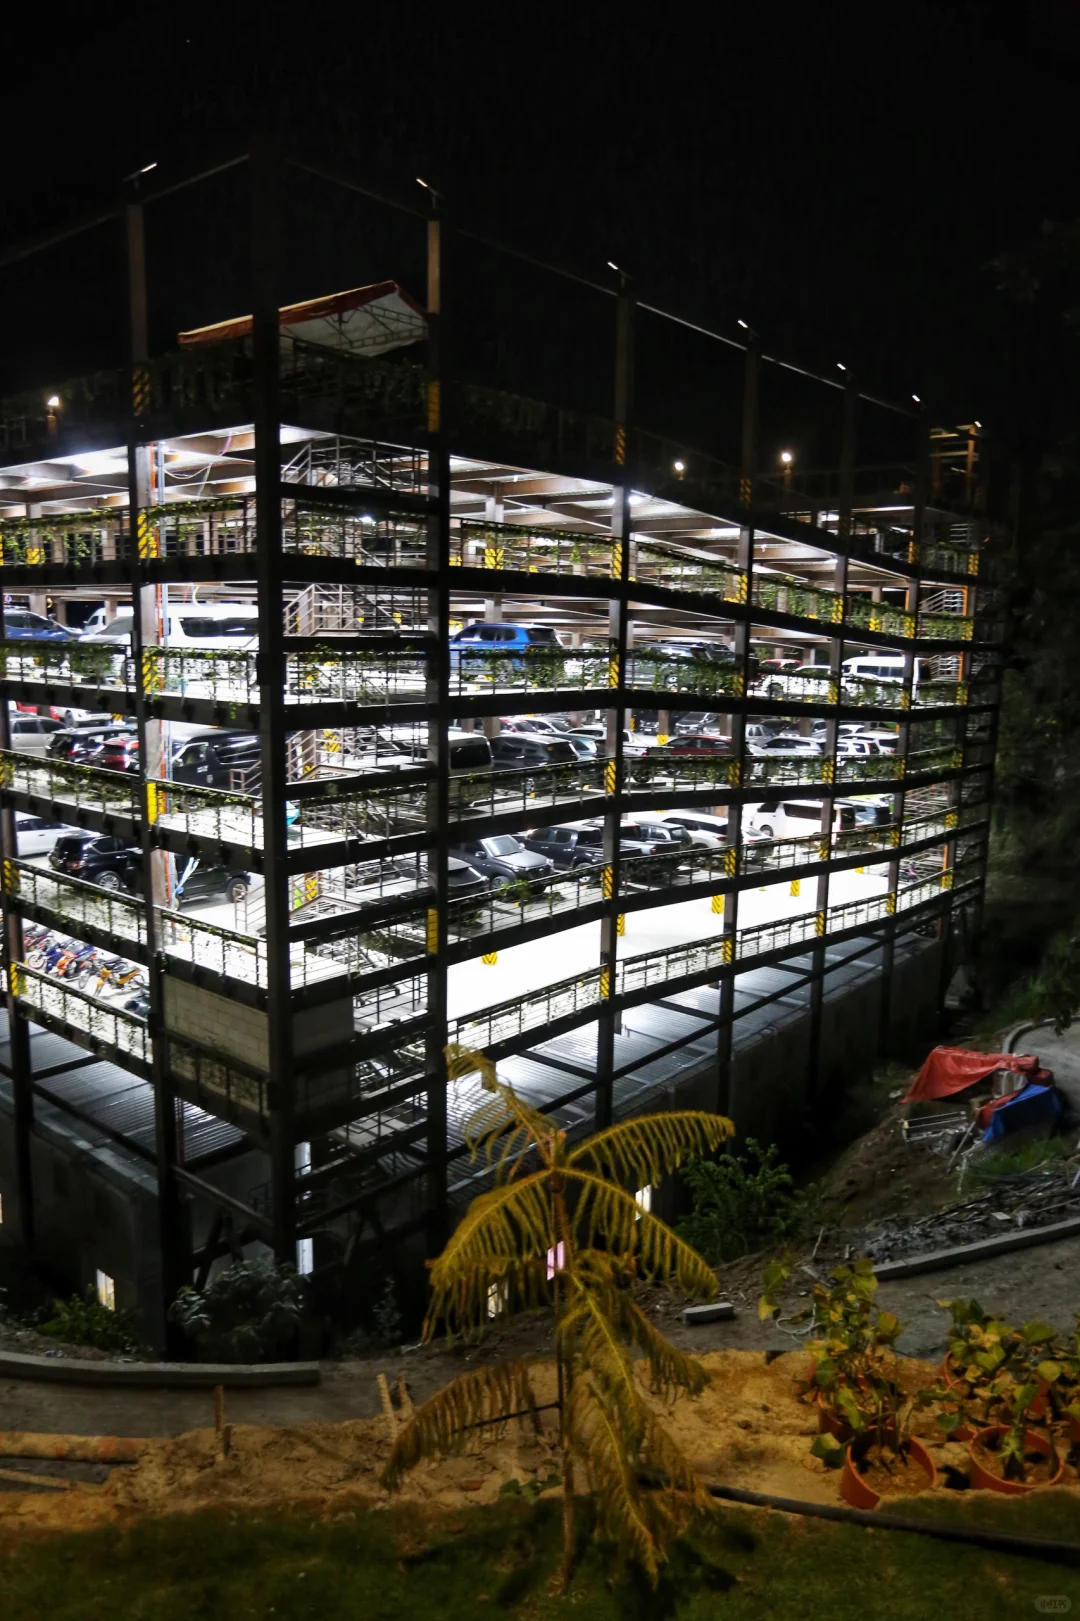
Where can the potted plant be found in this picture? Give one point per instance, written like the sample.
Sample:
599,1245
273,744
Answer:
1009,1456
864,1417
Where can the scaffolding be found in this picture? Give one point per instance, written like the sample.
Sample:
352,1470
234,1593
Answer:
388,503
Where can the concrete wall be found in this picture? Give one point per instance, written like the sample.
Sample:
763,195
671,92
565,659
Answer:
95,1207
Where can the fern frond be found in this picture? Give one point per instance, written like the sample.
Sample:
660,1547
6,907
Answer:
462,1302
447,1422
662,1455
646,1149
589,1338
612,1463
606,1210
503,1129
670,1370
502,1231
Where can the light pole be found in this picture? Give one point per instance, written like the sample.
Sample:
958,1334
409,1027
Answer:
787,461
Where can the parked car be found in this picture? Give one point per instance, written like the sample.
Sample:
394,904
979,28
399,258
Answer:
232,625
696,721
32,734
665,836
796,818
97,619
854,747
117,753
712,831
197,883
887,742
630,844
778,666
633,744
548,725
567,847
96,859
20,625
503,857
691,743
75,744
525,751
586,748
36,835
215,759
506,640
789,745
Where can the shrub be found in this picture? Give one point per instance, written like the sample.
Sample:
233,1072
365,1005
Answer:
742,1202
249,1312
85,1321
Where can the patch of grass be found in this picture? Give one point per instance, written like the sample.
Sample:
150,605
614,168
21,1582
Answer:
989,1171
400,1566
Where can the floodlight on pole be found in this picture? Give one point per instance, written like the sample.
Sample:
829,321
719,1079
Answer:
787,458
679,466
53,402
840,366
917,400
745,325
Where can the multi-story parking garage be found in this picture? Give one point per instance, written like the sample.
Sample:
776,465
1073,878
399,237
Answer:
776,701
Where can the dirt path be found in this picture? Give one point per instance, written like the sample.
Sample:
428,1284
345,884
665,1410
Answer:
747,1428
1042,1282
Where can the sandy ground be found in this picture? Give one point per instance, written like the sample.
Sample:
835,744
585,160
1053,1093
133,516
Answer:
747,1429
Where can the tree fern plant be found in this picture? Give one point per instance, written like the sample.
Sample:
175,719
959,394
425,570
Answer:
562,1229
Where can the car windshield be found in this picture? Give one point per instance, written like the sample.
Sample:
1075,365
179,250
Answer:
504,845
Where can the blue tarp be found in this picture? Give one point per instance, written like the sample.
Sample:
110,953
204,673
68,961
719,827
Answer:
1034,1106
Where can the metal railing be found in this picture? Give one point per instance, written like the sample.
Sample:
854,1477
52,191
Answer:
522,1013
78,786
77,902
499,546
113,1026
678,570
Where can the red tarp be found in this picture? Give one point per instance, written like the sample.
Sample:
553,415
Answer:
951,1069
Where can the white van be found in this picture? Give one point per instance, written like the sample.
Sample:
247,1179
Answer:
227,625
796,818
880,667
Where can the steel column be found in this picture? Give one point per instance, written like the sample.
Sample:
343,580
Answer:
618,638
438,748
265,247
22,1077
173,1226
911,605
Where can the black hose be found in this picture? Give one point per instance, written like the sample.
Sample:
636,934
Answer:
1030,1547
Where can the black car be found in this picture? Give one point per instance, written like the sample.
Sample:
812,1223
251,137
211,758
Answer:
94,858
503,857
566,846
216,760
196,884
77,743
525,751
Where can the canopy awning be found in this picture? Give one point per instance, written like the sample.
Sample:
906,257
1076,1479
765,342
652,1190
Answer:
363,321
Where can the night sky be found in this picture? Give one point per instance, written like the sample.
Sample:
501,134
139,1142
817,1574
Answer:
839,176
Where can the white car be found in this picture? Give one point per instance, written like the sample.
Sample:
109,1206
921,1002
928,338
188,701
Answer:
31,734
634,746
708,831
36,835
787,746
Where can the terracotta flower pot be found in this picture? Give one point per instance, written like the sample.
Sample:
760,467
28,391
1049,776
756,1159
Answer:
855,1490
985,1480
829,1421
